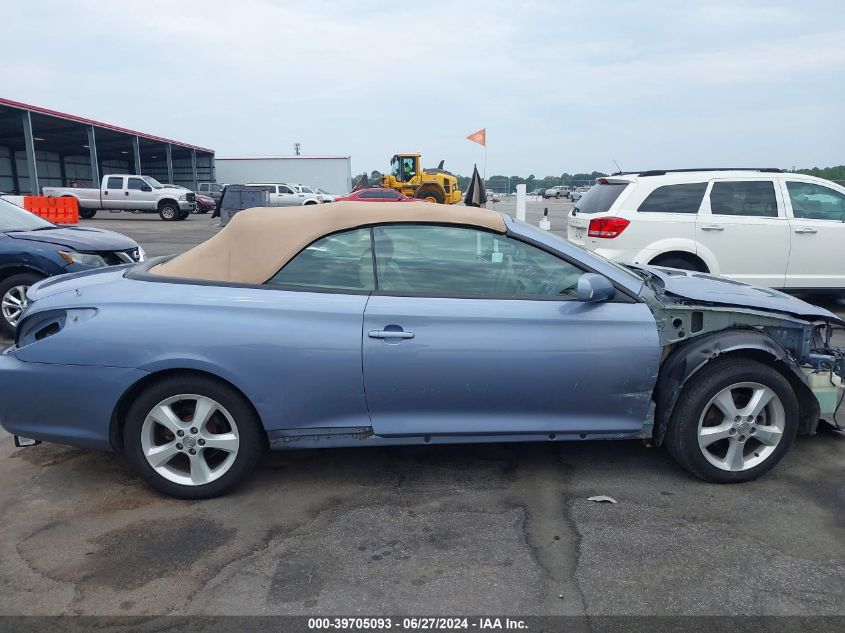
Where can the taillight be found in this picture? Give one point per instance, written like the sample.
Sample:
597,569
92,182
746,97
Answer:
608,228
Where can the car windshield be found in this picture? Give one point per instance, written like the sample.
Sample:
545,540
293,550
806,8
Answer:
13,218
152,182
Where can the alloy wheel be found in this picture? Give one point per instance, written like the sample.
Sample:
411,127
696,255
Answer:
13,304
190,439
741,426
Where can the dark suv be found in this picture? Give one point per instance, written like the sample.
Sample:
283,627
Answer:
32,248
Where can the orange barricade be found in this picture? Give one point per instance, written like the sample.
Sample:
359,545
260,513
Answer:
56,210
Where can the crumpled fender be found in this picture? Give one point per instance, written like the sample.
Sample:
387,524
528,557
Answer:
688,358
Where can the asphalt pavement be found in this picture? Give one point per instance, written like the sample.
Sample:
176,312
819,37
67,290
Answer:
504,529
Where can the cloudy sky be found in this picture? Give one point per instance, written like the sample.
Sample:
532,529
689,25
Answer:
560,86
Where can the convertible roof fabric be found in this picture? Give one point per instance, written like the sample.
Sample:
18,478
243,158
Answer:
258,242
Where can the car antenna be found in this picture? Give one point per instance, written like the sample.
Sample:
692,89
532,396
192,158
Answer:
619,169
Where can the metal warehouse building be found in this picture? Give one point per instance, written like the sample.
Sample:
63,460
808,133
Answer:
330,173
40,147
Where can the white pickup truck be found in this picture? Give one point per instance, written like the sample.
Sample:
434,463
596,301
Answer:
119,192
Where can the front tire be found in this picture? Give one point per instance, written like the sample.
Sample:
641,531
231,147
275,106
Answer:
192,437
169,212
13,300
733,422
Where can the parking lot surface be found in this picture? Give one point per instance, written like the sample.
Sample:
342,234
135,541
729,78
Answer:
425,530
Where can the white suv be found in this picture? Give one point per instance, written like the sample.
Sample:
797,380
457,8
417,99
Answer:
763,226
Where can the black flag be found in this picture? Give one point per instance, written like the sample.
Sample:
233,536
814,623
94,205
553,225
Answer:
475,196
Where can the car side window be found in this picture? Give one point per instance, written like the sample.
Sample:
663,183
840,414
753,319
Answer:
135,184
115,182
342,261
458,261
749,198
684,198
368,195
816,202
283,189
390,195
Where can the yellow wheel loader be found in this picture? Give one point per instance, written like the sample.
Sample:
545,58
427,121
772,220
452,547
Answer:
407,177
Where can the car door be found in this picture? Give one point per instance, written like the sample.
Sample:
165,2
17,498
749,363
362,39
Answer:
742,225
313,364
817,221
471,333
288,197
138,194
113,193
272,196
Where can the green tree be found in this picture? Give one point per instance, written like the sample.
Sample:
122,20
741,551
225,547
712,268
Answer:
828,173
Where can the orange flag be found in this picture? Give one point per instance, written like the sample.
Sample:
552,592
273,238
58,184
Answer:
479,137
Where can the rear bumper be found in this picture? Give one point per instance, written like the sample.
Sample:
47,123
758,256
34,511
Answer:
622,255
65,404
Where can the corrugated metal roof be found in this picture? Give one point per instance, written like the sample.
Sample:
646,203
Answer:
108,126
294,157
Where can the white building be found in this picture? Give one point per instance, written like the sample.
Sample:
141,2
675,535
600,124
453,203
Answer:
330,173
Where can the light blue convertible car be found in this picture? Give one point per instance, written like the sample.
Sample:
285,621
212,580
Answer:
356,324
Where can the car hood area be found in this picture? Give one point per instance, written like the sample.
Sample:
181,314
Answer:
675,284
77,238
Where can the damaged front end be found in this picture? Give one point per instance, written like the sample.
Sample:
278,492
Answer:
787,334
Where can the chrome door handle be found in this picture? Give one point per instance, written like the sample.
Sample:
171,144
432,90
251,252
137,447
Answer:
390,334
712,227
806,229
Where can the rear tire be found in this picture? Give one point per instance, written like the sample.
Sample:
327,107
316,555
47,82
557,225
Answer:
432,195
87,214
13,300
169,212
716,431
165,460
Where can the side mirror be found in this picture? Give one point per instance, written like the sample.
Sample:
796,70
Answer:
146,188
594,288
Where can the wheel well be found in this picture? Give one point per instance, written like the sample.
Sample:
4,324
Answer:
5,273
808,406
692,259
161,203
118,417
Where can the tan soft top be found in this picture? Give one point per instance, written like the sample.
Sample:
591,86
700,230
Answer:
258,242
